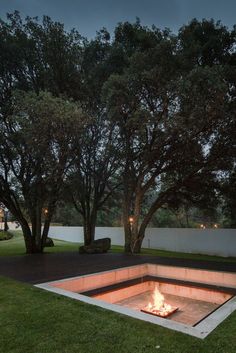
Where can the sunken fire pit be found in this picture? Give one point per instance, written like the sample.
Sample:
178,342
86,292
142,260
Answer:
189,300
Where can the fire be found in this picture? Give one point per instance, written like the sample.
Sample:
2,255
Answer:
158,306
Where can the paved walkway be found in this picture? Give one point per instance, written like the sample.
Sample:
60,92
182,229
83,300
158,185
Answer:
47,267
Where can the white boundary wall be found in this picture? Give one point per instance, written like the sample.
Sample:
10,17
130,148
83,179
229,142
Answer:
220,242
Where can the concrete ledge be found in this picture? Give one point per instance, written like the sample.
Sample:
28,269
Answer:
70,287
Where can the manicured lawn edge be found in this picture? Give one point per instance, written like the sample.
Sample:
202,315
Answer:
15,247
37,321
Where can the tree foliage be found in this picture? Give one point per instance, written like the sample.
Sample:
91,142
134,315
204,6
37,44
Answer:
37,143
156,119
170,119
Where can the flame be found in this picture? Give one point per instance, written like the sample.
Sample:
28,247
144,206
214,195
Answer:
158,299
159,304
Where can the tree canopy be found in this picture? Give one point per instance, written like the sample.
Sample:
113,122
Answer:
145,113
36,152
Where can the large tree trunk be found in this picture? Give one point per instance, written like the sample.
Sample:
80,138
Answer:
35,239
128,237
47,222
132,208
89,227
32,246
45,232
127,226
36,232
133,240
6,228
137,246
30,243
135,232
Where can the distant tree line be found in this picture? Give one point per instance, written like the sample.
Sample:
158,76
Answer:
135,123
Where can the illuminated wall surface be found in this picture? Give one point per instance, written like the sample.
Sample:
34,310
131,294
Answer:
200,241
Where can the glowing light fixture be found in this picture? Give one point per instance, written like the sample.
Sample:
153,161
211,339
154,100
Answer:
131,219
45,211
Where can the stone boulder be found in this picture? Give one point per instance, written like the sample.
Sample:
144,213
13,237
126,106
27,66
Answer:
49,243
98,246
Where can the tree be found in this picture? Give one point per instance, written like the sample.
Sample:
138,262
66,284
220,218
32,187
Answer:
94,178
39,56
169,135
205,43
37,144
229,201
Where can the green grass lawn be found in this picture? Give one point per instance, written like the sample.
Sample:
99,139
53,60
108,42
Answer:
15,246
36,321
179,255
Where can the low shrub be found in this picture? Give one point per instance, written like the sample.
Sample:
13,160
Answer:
5,235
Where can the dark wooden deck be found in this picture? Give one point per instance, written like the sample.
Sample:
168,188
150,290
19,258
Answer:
40,268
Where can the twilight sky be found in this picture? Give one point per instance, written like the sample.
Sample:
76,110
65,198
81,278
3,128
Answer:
90,15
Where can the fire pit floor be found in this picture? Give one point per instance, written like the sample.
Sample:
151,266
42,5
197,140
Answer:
190,311
159,312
